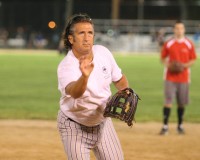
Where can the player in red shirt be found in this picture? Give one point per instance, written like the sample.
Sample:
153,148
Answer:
180,49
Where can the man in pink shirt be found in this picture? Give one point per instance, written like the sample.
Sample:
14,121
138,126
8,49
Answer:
84,78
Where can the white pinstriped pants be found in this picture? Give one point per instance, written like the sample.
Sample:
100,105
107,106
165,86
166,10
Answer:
79,140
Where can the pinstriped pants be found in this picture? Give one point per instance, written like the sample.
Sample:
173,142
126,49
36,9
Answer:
79,140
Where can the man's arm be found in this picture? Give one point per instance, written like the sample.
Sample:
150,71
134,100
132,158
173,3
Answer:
185,65
122,83
165,62
77,88
189,64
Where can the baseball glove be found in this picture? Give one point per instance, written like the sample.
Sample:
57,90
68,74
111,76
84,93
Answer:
122,105
175,67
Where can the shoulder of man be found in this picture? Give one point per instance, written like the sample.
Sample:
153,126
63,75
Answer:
100,48
169,42
101,51
68,60
189,43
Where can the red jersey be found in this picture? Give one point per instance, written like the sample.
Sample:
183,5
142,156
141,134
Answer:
182,51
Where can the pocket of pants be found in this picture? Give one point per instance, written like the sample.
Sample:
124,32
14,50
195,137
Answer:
67,127
63,121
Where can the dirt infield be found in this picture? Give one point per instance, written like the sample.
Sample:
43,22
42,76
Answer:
39,140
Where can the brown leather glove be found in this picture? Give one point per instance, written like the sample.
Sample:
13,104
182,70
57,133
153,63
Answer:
175,67
122,105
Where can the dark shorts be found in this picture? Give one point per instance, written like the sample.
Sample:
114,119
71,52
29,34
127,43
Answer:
180,91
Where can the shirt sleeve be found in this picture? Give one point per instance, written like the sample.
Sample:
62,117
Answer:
193,53
66,74
116,72
164,51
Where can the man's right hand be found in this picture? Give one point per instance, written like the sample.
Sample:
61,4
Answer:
77,88
86,66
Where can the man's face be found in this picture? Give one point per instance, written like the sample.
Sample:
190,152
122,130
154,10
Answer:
82,38
179,30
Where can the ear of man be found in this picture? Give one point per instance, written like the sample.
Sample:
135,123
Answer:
70,38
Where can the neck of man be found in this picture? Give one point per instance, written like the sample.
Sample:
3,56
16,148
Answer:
88,55
180,37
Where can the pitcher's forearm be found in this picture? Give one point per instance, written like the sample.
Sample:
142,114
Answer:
77,88
122,83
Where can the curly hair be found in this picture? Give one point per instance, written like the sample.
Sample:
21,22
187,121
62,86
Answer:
77,18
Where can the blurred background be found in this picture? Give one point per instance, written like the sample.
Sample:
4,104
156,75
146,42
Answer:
121,25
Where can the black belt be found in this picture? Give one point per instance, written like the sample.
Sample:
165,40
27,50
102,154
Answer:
68,117
83,126
72,120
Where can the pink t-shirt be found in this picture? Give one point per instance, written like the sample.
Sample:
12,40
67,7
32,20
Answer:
88,109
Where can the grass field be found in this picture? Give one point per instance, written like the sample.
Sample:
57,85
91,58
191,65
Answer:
28,85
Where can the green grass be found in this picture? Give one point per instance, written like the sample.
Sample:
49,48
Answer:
28,86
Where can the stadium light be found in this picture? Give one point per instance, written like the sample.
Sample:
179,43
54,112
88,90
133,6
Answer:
51,24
